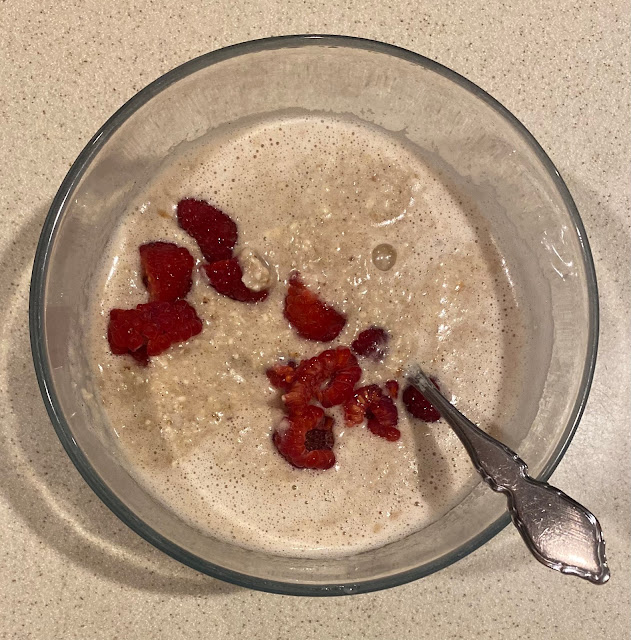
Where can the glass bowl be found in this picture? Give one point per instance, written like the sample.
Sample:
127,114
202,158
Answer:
483,148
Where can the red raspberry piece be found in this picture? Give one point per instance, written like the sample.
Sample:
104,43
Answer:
281,376
354,411
166,270
379,426
416,403
215,232
309,315
341,369
392,389
371,343
151,328
308,377
380,411
225,276
305,439
335,368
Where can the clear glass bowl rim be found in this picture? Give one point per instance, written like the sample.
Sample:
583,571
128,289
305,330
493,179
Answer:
39,276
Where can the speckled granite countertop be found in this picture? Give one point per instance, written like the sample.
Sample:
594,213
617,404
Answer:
68,567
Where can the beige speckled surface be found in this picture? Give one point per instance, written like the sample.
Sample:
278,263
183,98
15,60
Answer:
68,567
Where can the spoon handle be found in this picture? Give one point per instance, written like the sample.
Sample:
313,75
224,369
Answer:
560,533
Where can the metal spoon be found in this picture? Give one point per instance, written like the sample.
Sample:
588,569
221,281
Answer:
560,533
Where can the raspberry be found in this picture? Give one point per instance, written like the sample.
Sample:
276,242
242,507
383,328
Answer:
309,315
166,271
380,411
151,328
308,376
225,277
371,343
380,427
281,376
354,411
305,439
215,232
392,389
341,369
416,403
335,368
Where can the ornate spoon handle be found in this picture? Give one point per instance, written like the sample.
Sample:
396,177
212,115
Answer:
560,533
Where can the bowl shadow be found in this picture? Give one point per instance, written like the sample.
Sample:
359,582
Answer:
37,478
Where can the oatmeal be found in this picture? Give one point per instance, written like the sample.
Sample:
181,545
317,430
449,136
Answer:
386,241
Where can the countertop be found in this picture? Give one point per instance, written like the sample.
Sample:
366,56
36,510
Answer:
68,567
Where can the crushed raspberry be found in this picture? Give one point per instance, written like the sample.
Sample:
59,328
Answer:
342,372
329,377
308,376
215,232
281,376
309,315
151,328
416,403
166,271
305,439
371,343
380,428
225,276
354,411
392,389
379,410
